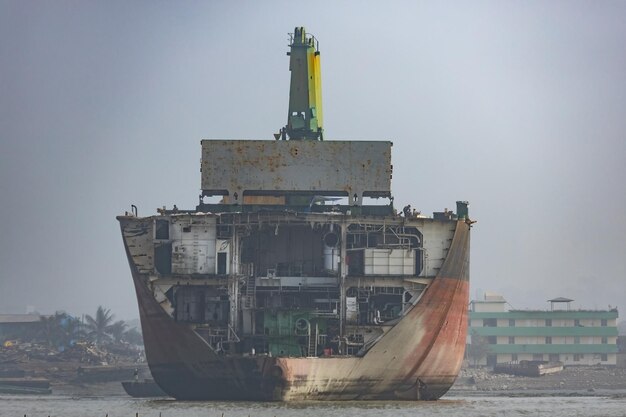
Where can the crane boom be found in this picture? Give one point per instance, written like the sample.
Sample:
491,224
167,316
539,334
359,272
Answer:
304,120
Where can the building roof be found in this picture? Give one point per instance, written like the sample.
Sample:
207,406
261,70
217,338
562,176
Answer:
547,314
19,318
560,300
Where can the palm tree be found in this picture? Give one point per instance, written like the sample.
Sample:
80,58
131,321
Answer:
133,336
59,330
51,330
98,328
117,329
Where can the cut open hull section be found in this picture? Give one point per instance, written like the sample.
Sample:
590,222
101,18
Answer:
418,358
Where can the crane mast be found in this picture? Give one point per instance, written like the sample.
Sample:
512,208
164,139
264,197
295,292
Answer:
304,120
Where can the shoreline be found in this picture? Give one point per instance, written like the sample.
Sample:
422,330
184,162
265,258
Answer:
105,381
459,393
571,382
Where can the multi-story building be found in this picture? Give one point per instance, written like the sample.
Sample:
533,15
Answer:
574,337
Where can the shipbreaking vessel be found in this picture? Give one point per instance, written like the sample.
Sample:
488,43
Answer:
287,282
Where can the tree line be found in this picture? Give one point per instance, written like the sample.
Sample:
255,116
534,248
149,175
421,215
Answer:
61,329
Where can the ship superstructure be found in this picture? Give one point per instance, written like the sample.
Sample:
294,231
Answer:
292,286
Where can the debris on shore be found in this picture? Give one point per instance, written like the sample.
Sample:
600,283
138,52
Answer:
576,379
71,370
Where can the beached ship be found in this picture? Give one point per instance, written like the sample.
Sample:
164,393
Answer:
289,282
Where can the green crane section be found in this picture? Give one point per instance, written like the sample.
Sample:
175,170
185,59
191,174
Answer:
304,120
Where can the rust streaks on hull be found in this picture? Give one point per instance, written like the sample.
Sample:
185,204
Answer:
418,359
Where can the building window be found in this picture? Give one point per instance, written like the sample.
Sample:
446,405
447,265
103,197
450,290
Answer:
548,340
576,323
603,323
548,322
577,357
537,356
492,340
604,340
554,357
511,340
604,357
576,340
514,357
511,323
490,323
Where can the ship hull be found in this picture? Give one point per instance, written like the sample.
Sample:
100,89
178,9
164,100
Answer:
418,359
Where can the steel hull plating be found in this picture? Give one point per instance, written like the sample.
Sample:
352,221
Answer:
418,359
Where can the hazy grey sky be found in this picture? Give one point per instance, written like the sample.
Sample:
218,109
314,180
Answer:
517,106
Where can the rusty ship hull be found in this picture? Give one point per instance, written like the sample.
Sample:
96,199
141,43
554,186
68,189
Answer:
417,359
293,281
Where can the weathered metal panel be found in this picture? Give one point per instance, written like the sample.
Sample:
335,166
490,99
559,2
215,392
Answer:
235,167
389,262
193,244
191,258
138,233
352,310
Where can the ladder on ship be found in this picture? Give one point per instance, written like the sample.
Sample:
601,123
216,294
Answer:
250,296
313,340
219,336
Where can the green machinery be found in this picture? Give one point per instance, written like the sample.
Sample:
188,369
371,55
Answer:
294,333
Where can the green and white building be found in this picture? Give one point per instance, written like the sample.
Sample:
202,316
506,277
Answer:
574,337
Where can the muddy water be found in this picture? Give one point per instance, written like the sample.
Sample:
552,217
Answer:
66,406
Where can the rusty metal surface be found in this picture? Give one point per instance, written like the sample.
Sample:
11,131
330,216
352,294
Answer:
346,168
418,359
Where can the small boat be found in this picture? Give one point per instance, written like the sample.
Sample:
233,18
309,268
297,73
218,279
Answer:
36,386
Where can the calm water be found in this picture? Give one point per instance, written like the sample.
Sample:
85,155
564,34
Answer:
455,406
